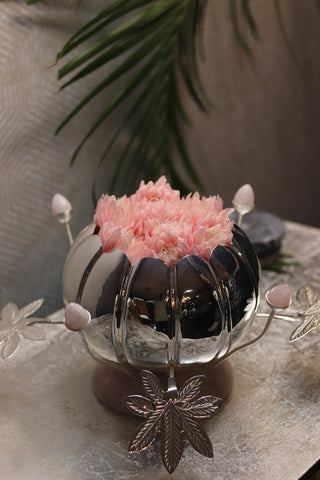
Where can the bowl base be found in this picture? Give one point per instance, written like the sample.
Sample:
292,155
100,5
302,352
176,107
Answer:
111,385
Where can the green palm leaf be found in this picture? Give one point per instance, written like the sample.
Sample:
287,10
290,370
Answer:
120,97
110,14
150,16
122,46
131,61
236,28
156,38
187,54
152,37
246,9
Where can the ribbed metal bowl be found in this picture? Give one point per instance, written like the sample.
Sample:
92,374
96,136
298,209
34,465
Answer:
150,316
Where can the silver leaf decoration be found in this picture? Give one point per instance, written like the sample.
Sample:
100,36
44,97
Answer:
14,323
27,310
196,435
32,333
152,385
171,438
9,313
191,388
308,311
11,345
172,414
305,296
305,327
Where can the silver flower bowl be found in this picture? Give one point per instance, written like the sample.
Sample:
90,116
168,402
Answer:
149,316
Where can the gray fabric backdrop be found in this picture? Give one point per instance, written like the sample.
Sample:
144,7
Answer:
265,133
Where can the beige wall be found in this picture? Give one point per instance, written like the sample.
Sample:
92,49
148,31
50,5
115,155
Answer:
34,164
266,131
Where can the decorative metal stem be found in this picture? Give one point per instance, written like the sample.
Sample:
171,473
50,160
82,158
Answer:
277,316
244,345
50,322
70,238
172,386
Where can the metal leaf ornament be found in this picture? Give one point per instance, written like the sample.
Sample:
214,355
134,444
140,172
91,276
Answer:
309,310
172,413
14,323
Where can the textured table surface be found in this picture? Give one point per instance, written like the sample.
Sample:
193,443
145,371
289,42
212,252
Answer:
53,428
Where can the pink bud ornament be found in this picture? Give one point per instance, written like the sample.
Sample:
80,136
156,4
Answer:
244,196
279,297
60,205
62,209
243,201
76,317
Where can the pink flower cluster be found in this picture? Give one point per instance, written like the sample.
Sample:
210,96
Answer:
156,222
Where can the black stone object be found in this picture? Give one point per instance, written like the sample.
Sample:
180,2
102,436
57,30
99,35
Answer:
265,231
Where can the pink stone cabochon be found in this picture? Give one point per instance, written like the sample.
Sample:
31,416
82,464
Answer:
279,296
76,317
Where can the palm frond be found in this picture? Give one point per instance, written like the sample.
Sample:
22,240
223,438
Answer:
152,35
246,9
133,83
236,28
131,61
148,17
107,16
156,38
187,55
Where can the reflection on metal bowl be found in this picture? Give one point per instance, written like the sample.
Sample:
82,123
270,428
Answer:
149,316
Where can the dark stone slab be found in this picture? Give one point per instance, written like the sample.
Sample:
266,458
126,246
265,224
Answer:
265,231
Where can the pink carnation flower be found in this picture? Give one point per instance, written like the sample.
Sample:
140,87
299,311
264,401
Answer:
156,222
152,192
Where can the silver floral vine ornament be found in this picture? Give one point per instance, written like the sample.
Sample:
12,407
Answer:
15,324
308,310
172,414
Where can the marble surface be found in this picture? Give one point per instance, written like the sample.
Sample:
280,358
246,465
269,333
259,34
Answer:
52,427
